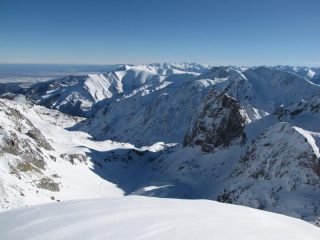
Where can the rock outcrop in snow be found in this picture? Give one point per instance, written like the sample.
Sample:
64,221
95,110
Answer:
278,172
23,154
219,123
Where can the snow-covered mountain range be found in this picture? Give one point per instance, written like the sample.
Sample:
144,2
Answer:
77,94
310,73
247,136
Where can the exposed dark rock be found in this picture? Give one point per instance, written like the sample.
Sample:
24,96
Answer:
285,113
218,124
225,197
72,157
279,165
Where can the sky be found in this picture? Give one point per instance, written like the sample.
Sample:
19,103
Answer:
221,32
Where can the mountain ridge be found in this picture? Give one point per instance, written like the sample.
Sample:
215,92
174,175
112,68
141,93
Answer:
228,134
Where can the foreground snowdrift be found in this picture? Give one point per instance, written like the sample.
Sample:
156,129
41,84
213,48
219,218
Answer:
150,218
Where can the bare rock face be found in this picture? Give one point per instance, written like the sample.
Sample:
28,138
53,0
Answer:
24,149
278,172
39,138
72,158
286,113
49,184
219,123
20,138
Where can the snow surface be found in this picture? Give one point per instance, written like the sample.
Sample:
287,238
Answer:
78,180
150,218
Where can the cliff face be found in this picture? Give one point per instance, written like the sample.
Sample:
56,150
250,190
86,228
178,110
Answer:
219,123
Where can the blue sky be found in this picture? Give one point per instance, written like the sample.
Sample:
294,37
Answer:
240,32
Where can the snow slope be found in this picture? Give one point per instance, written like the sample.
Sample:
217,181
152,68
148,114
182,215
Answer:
261,88
77,94
42,162
143,119
310,73
279,172
150,218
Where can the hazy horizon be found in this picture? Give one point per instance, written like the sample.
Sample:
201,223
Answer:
148,63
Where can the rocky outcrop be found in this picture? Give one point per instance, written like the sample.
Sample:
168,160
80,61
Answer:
32,163
39,138
20,138
278,172
219,123
73,158
48,184
285,113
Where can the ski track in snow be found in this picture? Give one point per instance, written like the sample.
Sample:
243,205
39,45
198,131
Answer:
101,185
